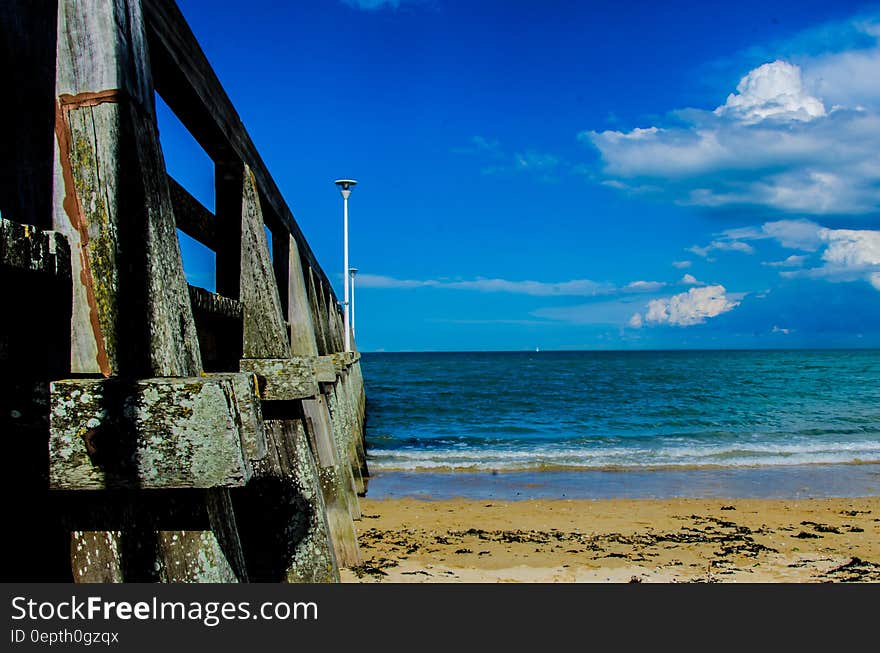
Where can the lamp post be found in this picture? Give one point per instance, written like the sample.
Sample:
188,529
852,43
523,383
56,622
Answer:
352,272
345,186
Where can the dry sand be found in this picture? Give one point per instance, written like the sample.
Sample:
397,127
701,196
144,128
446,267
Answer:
619,540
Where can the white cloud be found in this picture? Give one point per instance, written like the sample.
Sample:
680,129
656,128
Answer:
793,261
724,246
681,264
851,255
784,332
636,321
532,160
774,90
690,280
505,162
794,234
848,254
692,307
793,138
574,288
644,286
850,247
373,5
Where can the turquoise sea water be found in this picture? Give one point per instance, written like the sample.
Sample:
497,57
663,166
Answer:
543,417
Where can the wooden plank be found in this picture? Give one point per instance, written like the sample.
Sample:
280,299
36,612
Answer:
283,379
334,319
299,312
282,516
209,303
322,328
341,501
112,200
153,433
185,80
265,330
191,217
287,480
342,434
325,369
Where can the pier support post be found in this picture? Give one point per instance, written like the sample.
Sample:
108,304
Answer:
299,547
131,309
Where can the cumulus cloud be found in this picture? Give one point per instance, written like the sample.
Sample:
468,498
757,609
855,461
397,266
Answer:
774,90
681,264
690,280
794,138
851,255
575,287
688,308
847,254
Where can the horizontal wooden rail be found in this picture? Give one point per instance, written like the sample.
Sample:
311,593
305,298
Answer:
185,80
198,432
206,302
191,216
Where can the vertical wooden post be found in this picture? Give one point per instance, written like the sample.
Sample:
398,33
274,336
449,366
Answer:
286,482
316,301
303,341
131,309
340,502
334,321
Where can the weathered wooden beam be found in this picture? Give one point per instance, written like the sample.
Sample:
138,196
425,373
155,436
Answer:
342,360
319,315
191,216
343,434
265,330
199,432
185,80
112,200
325,369
287,480
24,247
283,379
209,303
299,312
131,311
341,501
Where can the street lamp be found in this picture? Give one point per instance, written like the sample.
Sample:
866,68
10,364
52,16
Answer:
352,272
345,186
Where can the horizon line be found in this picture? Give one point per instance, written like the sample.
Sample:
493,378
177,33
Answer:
575,351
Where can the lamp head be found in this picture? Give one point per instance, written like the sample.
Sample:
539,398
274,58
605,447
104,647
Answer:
345,186
352,271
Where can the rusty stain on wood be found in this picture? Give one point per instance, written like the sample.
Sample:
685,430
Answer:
89,98
73,209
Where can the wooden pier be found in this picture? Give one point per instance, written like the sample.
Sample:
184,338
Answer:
157,431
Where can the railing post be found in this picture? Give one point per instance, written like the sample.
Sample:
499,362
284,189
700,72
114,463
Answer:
131,308
286,483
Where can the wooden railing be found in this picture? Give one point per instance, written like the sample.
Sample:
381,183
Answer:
192,435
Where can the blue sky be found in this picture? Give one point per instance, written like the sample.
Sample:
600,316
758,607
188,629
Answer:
568,175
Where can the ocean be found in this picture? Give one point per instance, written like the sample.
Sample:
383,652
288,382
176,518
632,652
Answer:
628,424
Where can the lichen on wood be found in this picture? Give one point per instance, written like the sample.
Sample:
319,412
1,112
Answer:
153,433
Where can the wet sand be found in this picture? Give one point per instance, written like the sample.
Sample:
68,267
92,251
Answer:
619,540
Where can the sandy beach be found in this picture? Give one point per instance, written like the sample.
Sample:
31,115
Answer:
619,540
